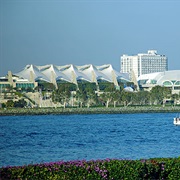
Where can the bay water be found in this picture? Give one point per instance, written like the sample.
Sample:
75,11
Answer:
49,138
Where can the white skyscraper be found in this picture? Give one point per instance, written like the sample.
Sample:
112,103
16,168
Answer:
144,63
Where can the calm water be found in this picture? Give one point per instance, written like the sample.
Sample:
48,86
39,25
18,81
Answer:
36,139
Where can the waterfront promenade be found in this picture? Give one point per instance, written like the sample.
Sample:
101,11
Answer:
92,110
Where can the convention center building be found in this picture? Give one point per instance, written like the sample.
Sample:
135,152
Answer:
169,79
31,75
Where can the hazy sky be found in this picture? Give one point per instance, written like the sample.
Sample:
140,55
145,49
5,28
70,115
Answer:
82,32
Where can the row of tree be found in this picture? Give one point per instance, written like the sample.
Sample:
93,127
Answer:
105,94
87,95
21,103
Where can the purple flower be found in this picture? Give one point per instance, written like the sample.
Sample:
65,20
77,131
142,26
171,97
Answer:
97,169
143,160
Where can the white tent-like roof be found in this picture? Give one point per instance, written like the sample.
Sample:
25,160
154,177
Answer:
52,71
92,73
32,73
71,73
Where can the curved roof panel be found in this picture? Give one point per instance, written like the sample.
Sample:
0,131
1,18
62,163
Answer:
161,77
52,70
106,70
71,73
32,70
91,72
169,75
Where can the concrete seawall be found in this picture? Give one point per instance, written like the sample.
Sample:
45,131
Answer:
94,110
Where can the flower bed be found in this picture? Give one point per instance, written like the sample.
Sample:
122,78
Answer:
109,169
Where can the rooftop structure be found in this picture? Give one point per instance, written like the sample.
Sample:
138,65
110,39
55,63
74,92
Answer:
69,73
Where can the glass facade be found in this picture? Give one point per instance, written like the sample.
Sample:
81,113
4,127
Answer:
167,83
4,85
151,64
177,83
25,85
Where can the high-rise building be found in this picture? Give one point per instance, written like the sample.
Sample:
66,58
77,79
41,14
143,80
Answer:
143,63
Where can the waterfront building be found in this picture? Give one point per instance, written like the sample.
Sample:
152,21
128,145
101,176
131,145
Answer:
170,79
143,63
14,81
31,75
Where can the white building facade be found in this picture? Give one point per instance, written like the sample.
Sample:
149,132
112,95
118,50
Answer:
170,79
144,63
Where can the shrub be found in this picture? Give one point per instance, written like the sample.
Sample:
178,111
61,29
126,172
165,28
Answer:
100,169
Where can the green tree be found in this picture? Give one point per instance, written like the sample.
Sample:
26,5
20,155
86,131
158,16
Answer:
62,94
21,103
106,97
10,103
90,96
116,96
143,97
159,93
44,86
81,97
174,98
105,86
127,97
109,94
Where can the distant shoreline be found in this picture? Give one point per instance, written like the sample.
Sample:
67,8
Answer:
91,110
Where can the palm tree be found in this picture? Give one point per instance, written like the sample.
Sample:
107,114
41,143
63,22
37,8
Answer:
116,95
175,98
80,97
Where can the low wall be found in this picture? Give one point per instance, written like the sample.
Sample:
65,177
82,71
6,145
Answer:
94,110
